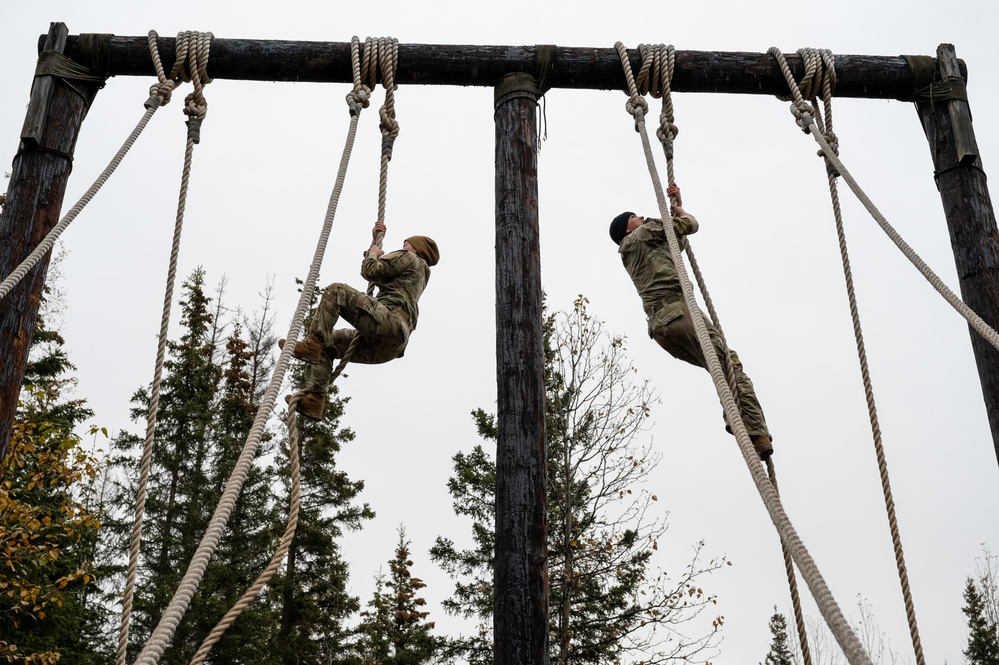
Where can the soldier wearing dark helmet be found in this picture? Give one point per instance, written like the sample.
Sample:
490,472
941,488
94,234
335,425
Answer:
645,253
384,321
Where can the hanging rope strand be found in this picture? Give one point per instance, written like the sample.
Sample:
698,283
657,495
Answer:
827,605
160,92
159,96
656,77
820,75
357,100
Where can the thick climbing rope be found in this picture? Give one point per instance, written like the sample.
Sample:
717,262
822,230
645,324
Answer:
383,53
806,121
192,57
655,77
159,96
357,100
289,534
833,616
819,79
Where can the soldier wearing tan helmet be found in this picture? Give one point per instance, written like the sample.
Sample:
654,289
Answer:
384,321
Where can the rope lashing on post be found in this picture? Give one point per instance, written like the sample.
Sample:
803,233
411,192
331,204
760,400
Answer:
834,618
192,57
357,100
159,96
820,79
655,77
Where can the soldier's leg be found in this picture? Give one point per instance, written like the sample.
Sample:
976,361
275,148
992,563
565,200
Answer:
338,299
679,338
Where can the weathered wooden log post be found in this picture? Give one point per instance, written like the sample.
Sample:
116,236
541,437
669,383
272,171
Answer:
38,179
971,219
520,617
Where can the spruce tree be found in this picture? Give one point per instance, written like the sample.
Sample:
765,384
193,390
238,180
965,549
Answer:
249,539
395,630
983,640
606,602
780,651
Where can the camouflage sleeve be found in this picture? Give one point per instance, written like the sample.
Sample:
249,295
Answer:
685,225
387,266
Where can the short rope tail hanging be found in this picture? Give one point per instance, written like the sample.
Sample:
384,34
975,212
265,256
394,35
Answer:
820,78
357,100
159,96
192,53
853,649
655,77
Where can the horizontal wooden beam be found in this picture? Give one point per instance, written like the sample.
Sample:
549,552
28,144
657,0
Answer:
876,77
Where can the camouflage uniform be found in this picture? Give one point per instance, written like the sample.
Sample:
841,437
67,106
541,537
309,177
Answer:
646,256
384,322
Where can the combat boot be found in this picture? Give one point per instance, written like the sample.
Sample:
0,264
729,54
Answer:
309,349
310,404
764,448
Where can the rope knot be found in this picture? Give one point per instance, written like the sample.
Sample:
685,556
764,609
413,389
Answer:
358,99
160,94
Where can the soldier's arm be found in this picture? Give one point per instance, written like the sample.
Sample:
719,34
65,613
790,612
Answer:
388,266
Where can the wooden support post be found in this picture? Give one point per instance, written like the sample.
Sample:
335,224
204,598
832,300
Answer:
34,202
971,219
520,616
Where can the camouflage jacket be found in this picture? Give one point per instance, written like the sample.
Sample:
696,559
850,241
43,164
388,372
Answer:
646,257
401,277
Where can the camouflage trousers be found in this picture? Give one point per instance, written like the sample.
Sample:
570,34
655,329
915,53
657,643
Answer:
673,330
384,332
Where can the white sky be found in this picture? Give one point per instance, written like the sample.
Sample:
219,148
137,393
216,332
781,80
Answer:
264,170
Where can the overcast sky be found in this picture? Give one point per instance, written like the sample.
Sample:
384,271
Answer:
767,245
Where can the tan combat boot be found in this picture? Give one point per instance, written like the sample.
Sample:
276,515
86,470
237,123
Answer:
309,349
311,405
764,448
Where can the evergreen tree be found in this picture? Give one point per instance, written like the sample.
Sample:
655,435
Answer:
780,651
394,631
48,532
983,639
606,602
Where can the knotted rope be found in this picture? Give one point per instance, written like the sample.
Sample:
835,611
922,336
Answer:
820,79
827,605
193,46
357,100
381,54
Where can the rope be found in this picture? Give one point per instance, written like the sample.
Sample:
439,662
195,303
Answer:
820,68
357,100
159,96
289,534
381,54
792,581
167,85
827,605
655,77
